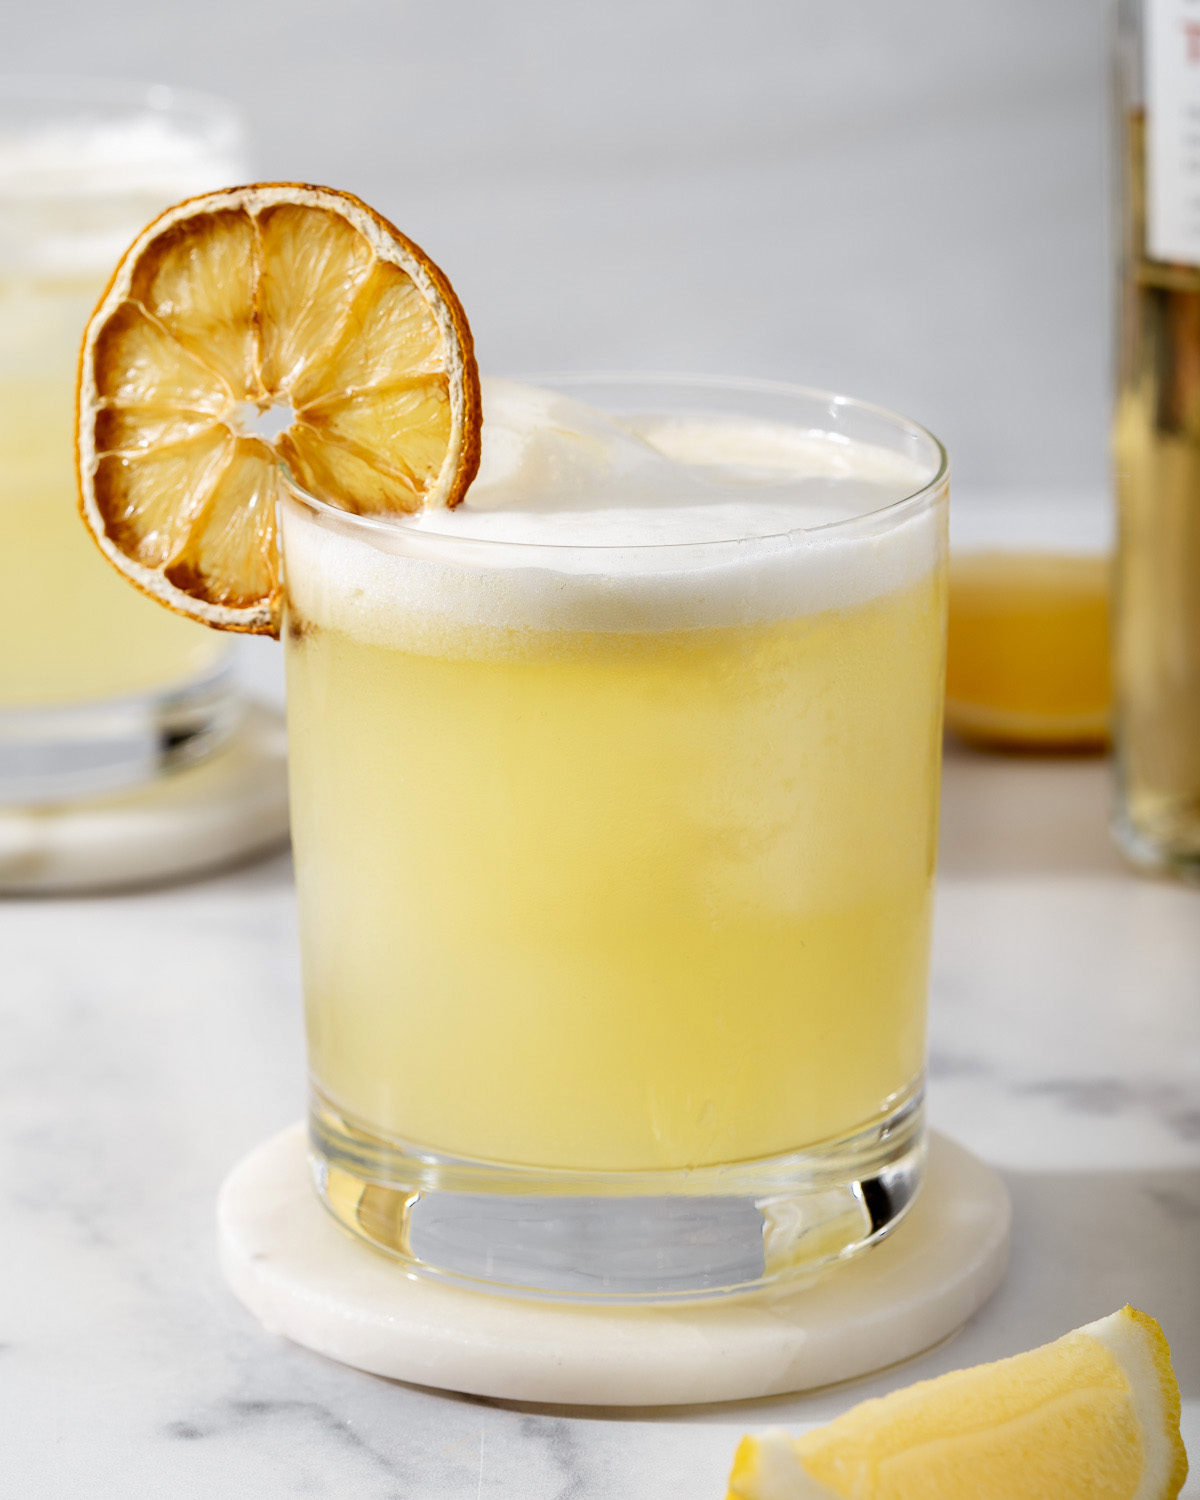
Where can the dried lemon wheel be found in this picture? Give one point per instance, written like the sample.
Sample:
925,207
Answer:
1095,1414
265,323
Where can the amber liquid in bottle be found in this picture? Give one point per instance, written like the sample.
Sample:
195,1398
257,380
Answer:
1157,462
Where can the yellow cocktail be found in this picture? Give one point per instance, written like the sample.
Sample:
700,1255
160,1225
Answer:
614,721
694,936
618,858
75,631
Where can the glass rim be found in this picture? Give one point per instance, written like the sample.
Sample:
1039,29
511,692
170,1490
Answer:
894,512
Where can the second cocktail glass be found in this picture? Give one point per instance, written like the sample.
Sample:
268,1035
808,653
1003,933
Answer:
99,689
616,862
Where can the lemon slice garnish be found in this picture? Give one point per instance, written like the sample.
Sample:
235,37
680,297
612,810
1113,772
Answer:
265,323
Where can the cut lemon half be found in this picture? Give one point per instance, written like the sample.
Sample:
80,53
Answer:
1093,1416
242,328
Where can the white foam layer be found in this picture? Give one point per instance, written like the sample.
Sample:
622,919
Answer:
75,191
91,157
579,522
556,472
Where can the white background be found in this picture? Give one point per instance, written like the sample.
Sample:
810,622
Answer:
903,199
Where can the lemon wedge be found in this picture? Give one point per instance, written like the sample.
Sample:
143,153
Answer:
1092,1416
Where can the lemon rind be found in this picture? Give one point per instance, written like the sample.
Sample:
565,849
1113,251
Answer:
767,1467
1139,1346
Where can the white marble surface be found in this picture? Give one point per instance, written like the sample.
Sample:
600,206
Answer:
148,1041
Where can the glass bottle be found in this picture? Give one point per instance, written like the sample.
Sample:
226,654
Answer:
1156,436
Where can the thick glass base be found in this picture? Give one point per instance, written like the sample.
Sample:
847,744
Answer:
1169,845
620,1236
63,752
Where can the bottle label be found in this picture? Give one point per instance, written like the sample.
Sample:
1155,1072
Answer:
1172,84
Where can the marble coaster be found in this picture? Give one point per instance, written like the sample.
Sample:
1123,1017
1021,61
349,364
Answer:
230,806
306,1278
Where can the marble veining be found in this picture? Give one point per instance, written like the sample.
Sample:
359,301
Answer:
148,1041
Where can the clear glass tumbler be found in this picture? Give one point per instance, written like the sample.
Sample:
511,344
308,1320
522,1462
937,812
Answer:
615,869
99,687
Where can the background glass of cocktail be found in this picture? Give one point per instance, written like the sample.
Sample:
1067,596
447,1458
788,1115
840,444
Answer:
99,687
615,869
1028,652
